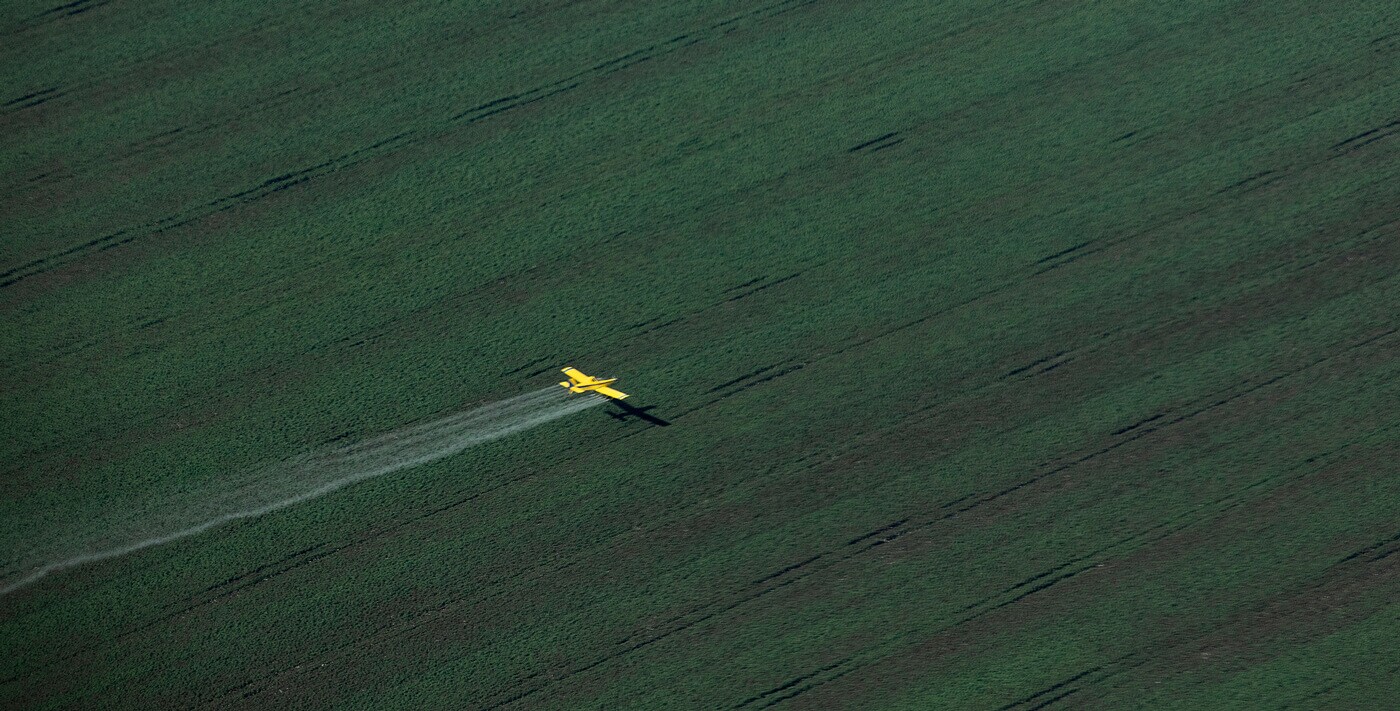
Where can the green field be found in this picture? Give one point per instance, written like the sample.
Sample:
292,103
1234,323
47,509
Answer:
1017,355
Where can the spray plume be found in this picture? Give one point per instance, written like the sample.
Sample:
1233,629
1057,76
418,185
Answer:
265,489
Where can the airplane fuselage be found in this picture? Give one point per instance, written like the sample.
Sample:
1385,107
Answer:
590,385
582,383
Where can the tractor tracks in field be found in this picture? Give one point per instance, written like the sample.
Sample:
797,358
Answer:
402,139
1124,435
1372,234
1086,563
393,143
235,584
275,97
1043,265
57,13
30,100
125,71
831,558
1366,138
127,235
1338,586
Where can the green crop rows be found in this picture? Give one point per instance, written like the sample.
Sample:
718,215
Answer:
1017,354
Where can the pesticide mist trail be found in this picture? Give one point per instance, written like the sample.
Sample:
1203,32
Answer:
261,490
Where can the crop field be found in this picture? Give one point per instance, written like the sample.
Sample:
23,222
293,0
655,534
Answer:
1033,354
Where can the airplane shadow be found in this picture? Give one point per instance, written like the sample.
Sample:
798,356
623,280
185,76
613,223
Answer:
637,412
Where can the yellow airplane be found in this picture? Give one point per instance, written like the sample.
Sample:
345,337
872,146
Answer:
580,383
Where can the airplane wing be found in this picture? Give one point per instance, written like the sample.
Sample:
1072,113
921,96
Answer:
614,394
574,374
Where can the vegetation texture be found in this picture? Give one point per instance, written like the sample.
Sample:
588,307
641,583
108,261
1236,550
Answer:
1017,355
